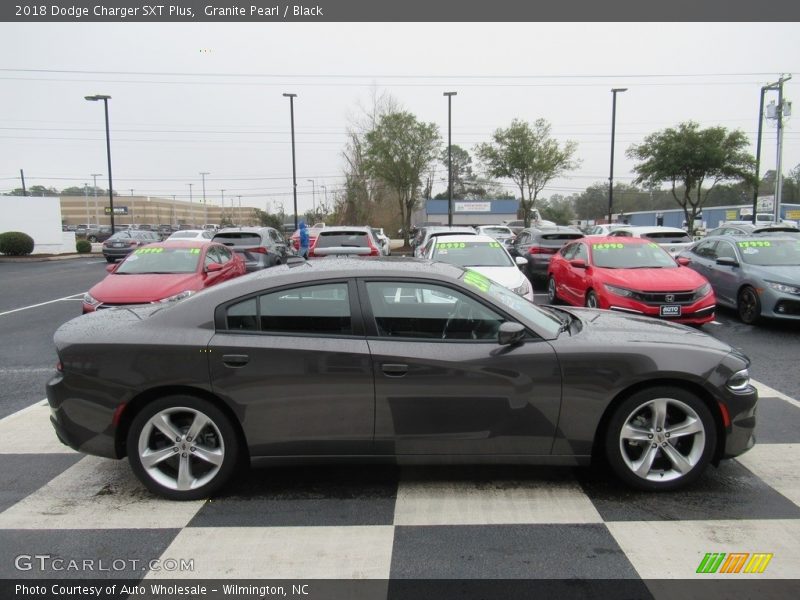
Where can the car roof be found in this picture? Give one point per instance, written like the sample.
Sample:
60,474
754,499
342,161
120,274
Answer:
181,244
606,239
556,229
479,237
335,228
651,229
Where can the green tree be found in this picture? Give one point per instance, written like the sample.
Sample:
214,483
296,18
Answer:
398,151
558,209
35,190
529,157
266,219
688,157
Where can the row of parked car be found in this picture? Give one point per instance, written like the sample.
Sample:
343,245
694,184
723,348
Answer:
653,271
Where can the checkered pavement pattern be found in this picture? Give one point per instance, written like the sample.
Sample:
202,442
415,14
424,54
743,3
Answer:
379,522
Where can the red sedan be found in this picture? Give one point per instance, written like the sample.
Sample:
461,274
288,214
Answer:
164,272
630,275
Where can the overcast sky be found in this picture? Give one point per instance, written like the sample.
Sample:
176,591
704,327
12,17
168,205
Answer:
197,97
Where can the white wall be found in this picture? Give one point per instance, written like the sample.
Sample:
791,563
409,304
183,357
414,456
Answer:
40,218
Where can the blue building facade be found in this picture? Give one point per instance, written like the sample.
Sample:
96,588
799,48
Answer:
711,216
467,212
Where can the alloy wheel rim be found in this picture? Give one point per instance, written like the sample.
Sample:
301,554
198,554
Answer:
551,290
662,440
591,301
748,305
181,448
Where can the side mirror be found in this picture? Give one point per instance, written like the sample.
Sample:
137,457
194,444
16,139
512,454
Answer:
510,334
112,267
578,263
214,267
727,261
683,261
520,260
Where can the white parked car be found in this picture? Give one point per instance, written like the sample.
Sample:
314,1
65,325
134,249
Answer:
499,232
383,240
604,229
192,234
483,254
672,239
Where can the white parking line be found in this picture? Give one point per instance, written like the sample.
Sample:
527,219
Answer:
71,297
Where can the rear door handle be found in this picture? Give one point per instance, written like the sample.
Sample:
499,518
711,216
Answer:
394,370
235,361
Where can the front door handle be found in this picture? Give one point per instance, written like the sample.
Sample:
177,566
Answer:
394,370
235,361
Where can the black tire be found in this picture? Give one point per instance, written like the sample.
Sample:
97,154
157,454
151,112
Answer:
748,305
187,470
110,259
655,453
591,300
552,294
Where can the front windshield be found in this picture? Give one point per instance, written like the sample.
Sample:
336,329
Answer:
160,260
472,254
616,255
505,297
771,253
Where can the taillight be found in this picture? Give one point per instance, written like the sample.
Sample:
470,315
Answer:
540,250
59,367
260,250
133,243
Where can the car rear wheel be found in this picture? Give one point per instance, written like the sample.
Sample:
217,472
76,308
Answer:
182,447
660,438
110,259
748,305
552,294
591,300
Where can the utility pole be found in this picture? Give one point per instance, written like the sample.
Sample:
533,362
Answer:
294,164
758,151
191,208
133,209
86,202
779,162
614,93
22,176
449,158
222,208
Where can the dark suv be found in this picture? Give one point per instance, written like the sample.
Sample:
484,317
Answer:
538,246
259,247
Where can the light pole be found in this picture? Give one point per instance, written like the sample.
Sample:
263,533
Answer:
96,216
105,100
325,189
294,167
86,201
614,92
313,198
133,209
239,216
205,206
449,158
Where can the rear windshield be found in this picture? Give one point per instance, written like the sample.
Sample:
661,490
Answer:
497,230
561,236
342,239
668,237
238,238
472,254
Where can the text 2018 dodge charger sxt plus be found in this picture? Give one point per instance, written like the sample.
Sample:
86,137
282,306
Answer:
405,361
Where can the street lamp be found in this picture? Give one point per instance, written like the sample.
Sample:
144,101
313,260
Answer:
313,197
105,100
614,92
449,158
205,206
325,189
291,98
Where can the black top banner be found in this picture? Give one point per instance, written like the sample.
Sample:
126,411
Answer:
401,10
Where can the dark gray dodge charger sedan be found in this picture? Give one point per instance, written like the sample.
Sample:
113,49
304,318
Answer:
398,360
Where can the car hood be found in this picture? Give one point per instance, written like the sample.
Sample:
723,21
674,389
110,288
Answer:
789,274
509,277
145,287
653,280
613,328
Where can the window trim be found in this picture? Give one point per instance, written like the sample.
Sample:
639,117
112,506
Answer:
356,320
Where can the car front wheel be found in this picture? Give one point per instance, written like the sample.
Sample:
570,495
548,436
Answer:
591,300
552,294
748,305
182,447
660,439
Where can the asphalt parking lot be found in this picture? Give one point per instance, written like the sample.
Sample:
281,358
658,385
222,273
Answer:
370,522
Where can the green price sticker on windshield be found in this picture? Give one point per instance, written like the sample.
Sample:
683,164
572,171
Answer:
754,244
149,251
477,280
450,245
608,246
494,245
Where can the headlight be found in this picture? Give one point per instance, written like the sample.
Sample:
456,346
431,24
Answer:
91,301
739,381
784,287
523,289
703,291
620,291
176,297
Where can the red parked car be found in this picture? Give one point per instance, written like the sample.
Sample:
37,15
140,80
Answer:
631,275
164,272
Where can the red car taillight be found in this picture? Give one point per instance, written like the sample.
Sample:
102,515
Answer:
260,250
540,250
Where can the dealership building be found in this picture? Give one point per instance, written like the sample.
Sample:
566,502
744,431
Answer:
467,212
